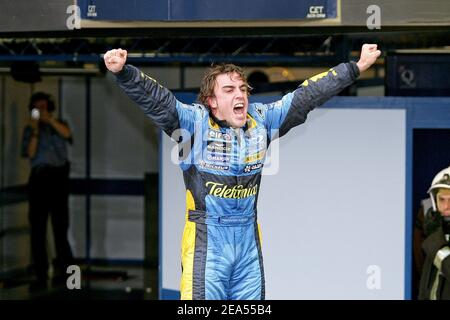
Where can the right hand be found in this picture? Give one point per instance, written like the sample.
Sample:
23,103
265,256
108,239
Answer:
115,59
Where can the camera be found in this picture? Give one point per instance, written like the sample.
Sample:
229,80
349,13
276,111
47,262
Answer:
35,114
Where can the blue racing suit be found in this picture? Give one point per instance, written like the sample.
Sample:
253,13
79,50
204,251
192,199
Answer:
221,246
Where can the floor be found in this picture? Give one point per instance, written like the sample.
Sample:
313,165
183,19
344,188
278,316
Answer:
97,283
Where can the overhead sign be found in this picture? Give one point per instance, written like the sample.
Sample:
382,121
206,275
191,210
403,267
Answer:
211,10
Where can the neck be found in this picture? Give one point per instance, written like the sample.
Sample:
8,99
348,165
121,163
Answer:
220,122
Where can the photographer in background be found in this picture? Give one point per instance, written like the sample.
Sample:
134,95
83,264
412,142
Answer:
435,278
44,142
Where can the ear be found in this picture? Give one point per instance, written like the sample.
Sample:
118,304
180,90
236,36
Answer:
212,102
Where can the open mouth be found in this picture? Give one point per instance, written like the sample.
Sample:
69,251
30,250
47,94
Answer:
239,109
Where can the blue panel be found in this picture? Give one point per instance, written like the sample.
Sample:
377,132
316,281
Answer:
201,10
117,10
408,207
167,294
186,97
250,10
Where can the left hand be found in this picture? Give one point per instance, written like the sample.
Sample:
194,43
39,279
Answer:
369,54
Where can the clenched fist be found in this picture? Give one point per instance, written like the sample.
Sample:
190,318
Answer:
369,54
115,59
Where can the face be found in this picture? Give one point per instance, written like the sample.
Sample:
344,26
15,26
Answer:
42,105
443,202
230,101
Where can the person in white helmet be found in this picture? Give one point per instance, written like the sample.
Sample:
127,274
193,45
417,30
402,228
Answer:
427,221
435,278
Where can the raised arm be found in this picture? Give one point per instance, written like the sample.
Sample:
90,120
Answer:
156,101
294,107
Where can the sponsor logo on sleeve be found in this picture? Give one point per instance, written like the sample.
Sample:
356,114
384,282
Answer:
259,110
275,105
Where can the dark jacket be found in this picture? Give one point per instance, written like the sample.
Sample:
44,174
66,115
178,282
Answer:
432,244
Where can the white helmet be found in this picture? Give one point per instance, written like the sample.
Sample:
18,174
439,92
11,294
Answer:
441,180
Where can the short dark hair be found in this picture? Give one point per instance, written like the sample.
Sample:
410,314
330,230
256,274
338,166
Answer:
42,96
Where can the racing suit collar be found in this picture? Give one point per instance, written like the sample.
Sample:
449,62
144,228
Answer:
221,123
